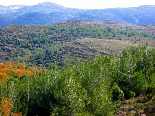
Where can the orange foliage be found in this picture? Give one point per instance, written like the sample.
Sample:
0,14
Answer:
19,72
29,73
17,69
16,114
5,69
20,66
41,70
3,77
5,107
1,65
10,64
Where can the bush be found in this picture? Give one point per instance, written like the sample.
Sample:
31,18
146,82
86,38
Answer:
117,93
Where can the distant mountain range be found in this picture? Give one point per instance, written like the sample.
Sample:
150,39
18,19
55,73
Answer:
50,13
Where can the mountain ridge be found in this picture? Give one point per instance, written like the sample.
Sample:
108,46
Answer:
53,14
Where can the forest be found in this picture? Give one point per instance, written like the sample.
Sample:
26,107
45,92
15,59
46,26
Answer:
87,87
37,78
44,45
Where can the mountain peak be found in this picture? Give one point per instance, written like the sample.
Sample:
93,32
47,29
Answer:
54,13
48,4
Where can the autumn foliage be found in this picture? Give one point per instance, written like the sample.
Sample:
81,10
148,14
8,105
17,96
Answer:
3,77
16,69
16,114
5,107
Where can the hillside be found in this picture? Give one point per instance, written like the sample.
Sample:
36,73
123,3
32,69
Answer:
50,13
79,67
104,86
44,45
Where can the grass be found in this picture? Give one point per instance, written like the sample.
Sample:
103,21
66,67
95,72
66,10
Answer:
90,47
137,106
105,45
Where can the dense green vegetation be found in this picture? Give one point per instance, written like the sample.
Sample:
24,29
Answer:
84,87
44,45
47,78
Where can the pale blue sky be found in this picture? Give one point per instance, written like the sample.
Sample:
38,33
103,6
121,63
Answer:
84,4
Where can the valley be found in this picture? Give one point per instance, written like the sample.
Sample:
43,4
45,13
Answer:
85,38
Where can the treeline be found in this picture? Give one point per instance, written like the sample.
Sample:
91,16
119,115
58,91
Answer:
46,44
81,87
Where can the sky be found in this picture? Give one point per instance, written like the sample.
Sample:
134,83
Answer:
83,4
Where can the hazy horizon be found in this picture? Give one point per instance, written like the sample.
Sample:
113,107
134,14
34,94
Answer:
81,4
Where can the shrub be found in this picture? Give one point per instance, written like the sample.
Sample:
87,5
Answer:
117,93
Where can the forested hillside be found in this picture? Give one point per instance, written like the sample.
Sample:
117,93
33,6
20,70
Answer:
80,67
44,45
87,87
